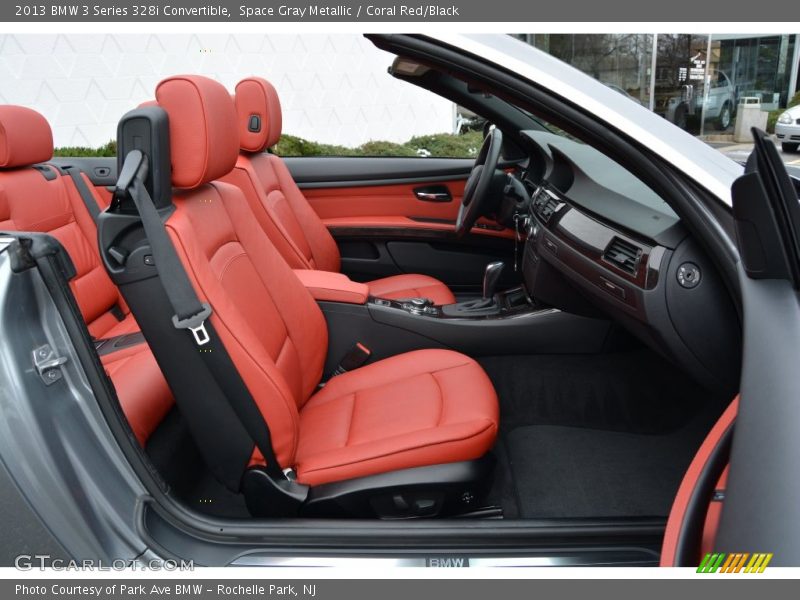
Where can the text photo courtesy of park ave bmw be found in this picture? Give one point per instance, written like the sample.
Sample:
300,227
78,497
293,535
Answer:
161,590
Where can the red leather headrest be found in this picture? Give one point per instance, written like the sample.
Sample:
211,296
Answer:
259,114
25,137
204,140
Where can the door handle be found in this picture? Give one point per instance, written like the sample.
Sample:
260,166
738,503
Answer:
434,196
434,193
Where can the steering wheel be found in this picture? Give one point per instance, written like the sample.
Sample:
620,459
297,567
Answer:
476,190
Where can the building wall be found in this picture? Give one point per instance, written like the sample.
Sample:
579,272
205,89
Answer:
765,66
334,88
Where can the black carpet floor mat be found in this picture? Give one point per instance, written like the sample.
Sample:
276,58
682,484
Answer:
577,472
594,435
637,392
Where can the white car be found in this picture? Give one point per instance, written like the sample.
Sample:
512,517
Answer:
787,129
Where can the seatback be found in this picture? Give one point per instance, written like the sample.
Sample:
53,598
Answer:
268,322
41,199
280,207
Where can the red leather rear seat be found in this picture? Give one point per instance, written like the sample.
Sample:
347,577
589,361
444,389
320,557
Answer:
31,201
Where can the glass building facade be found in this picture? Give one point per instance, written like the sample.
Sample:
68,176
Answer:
695,81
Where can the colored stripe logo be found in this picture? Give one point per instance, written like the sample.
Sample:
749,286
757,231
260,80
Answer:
738,562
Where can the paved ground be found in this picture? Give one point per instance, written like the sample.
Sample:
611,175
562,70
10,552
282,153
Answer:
740,152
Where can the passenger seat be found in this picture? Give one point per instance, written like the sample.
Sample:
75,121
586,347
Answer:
39,198
421,408
280,207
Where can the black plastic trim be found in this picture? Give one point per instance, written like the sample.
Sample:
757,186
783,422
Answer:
342,171
447,489
101,170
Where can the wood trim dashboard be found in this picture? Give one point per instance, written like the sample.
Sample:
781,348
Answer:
616,262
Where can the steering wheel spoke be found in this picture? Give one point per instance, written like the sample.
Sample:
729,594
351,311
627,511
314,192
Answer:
478,186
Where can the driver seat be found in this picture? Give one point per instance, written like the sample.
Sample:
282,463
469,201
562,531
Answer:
280,207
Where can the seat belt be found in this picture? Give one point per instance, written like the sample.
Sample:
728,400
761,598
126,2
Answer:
190,313
90,202
88,198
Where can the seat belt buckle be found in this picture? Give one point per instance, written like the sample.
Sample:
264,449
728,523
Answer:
196,324
357,356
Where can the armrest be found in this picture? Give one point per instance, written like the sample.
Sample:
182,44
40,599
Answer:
333,287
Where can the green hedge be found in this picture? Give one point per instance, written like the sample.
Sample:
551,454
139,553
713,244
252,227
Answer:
108,149
447,145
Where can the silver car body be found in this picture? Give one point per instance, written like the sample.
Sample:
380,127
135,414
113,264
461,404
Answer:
719,94
789,133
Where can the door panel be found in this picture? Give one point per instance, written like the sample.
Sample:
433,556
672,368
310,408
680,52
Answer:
365,259
387,192
330,171
397,215
397,200
413,226
460,267
372,253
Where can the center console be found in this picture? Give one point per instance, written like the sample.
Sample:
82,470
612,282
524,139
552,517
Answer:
514,324
503,304
505,322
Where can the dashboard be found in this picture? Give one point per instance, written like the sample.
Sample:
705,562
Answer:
600,243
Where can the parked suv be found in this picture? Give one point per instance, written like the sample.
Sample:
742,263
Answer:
720,103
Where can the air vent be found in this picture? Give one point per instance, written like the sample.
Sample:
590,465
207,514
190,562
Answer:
545,206
623,255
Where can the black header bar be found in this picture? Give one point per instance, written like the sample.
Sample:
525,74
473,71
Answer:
411,11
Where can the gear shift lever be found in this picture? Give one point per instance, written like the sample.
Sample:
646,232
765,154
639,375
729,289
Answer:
485,306
490,278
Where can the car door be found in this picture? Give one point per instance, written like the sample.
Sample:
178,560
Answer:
761,510
392,215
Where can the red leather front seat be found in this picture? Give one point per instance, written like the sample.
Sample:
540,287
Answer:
282,210
421,408
44,200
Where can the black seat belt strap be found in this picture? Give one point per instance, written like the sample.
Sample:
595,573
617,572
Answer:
86,195
190,313
90,202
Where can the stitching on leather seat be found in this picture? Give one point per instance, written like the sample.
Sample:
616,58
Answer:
489,425
441,399
229,262
350,422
